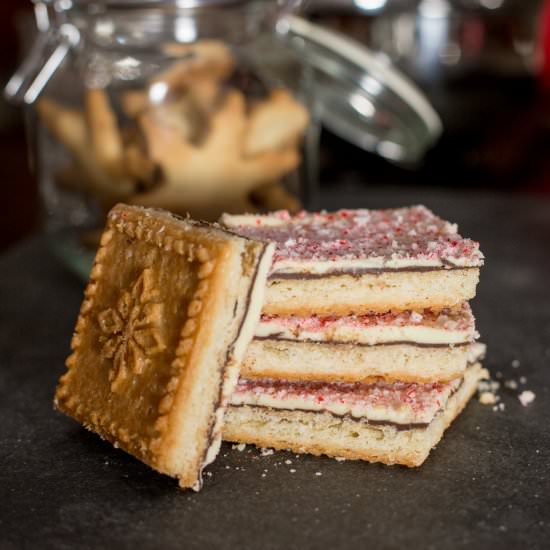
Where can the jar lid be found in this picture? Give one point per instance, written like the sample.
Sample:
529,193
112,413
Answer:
361,96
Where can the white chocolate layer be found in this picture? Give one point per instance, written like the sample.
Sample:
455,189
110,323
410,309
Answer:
370,336
296,267
397,403
456,326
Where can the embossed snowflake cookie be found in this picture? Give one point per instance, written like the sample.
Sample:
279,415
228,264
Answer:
169,310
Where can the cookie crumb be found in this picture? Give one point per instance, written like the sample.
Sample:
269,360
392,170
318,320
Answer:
526,397
487,398
488,385
240,447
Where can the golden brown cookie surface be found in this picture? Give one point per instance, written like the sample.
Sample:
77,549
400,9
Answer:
148,336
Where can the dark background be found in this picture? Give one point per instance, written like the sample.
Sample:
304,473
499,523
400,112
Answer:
18,193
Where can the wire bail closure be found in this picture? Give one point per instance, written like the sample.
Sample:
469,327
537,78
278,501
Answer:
37,69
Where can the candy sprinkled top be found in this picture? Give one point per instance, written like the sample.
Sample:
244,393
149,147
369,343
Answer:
398,237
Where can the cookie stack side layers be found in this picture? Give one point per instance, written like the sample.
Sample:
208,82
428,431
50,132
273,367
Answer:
405,346
344,435
363,261
168,313
377,367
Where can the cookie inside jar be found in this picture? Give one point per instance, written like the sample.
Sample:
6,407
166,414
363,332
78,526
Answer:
201,135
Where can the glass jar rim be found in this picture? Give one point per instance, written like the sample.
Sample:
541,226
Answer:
66,5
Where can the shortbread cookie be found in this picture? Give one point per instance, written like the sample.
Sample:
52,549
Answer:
363,260
168,313
422,346
398,403
402,432
287,360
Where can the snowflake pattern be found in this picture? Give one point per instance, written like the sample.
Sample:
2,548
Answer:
131,330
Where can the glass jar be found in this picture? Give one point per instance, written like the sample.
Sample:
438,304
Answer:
200,107
195,106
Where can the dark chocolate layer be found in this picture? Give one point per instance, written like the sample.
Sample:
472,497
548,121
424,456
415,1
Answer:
363,271
228,356
364,420
399,427
277,338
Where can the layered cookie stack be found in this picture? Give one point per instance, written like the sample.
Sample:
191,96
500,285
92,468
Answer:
366,345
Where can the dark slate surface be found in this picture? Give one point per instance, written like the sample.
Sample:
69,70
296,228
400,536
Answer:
487,485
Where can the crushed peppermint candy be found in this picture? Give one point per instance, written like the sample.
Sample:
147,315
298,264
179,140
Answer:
456,319
416,317
416,402
414,233
266,452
